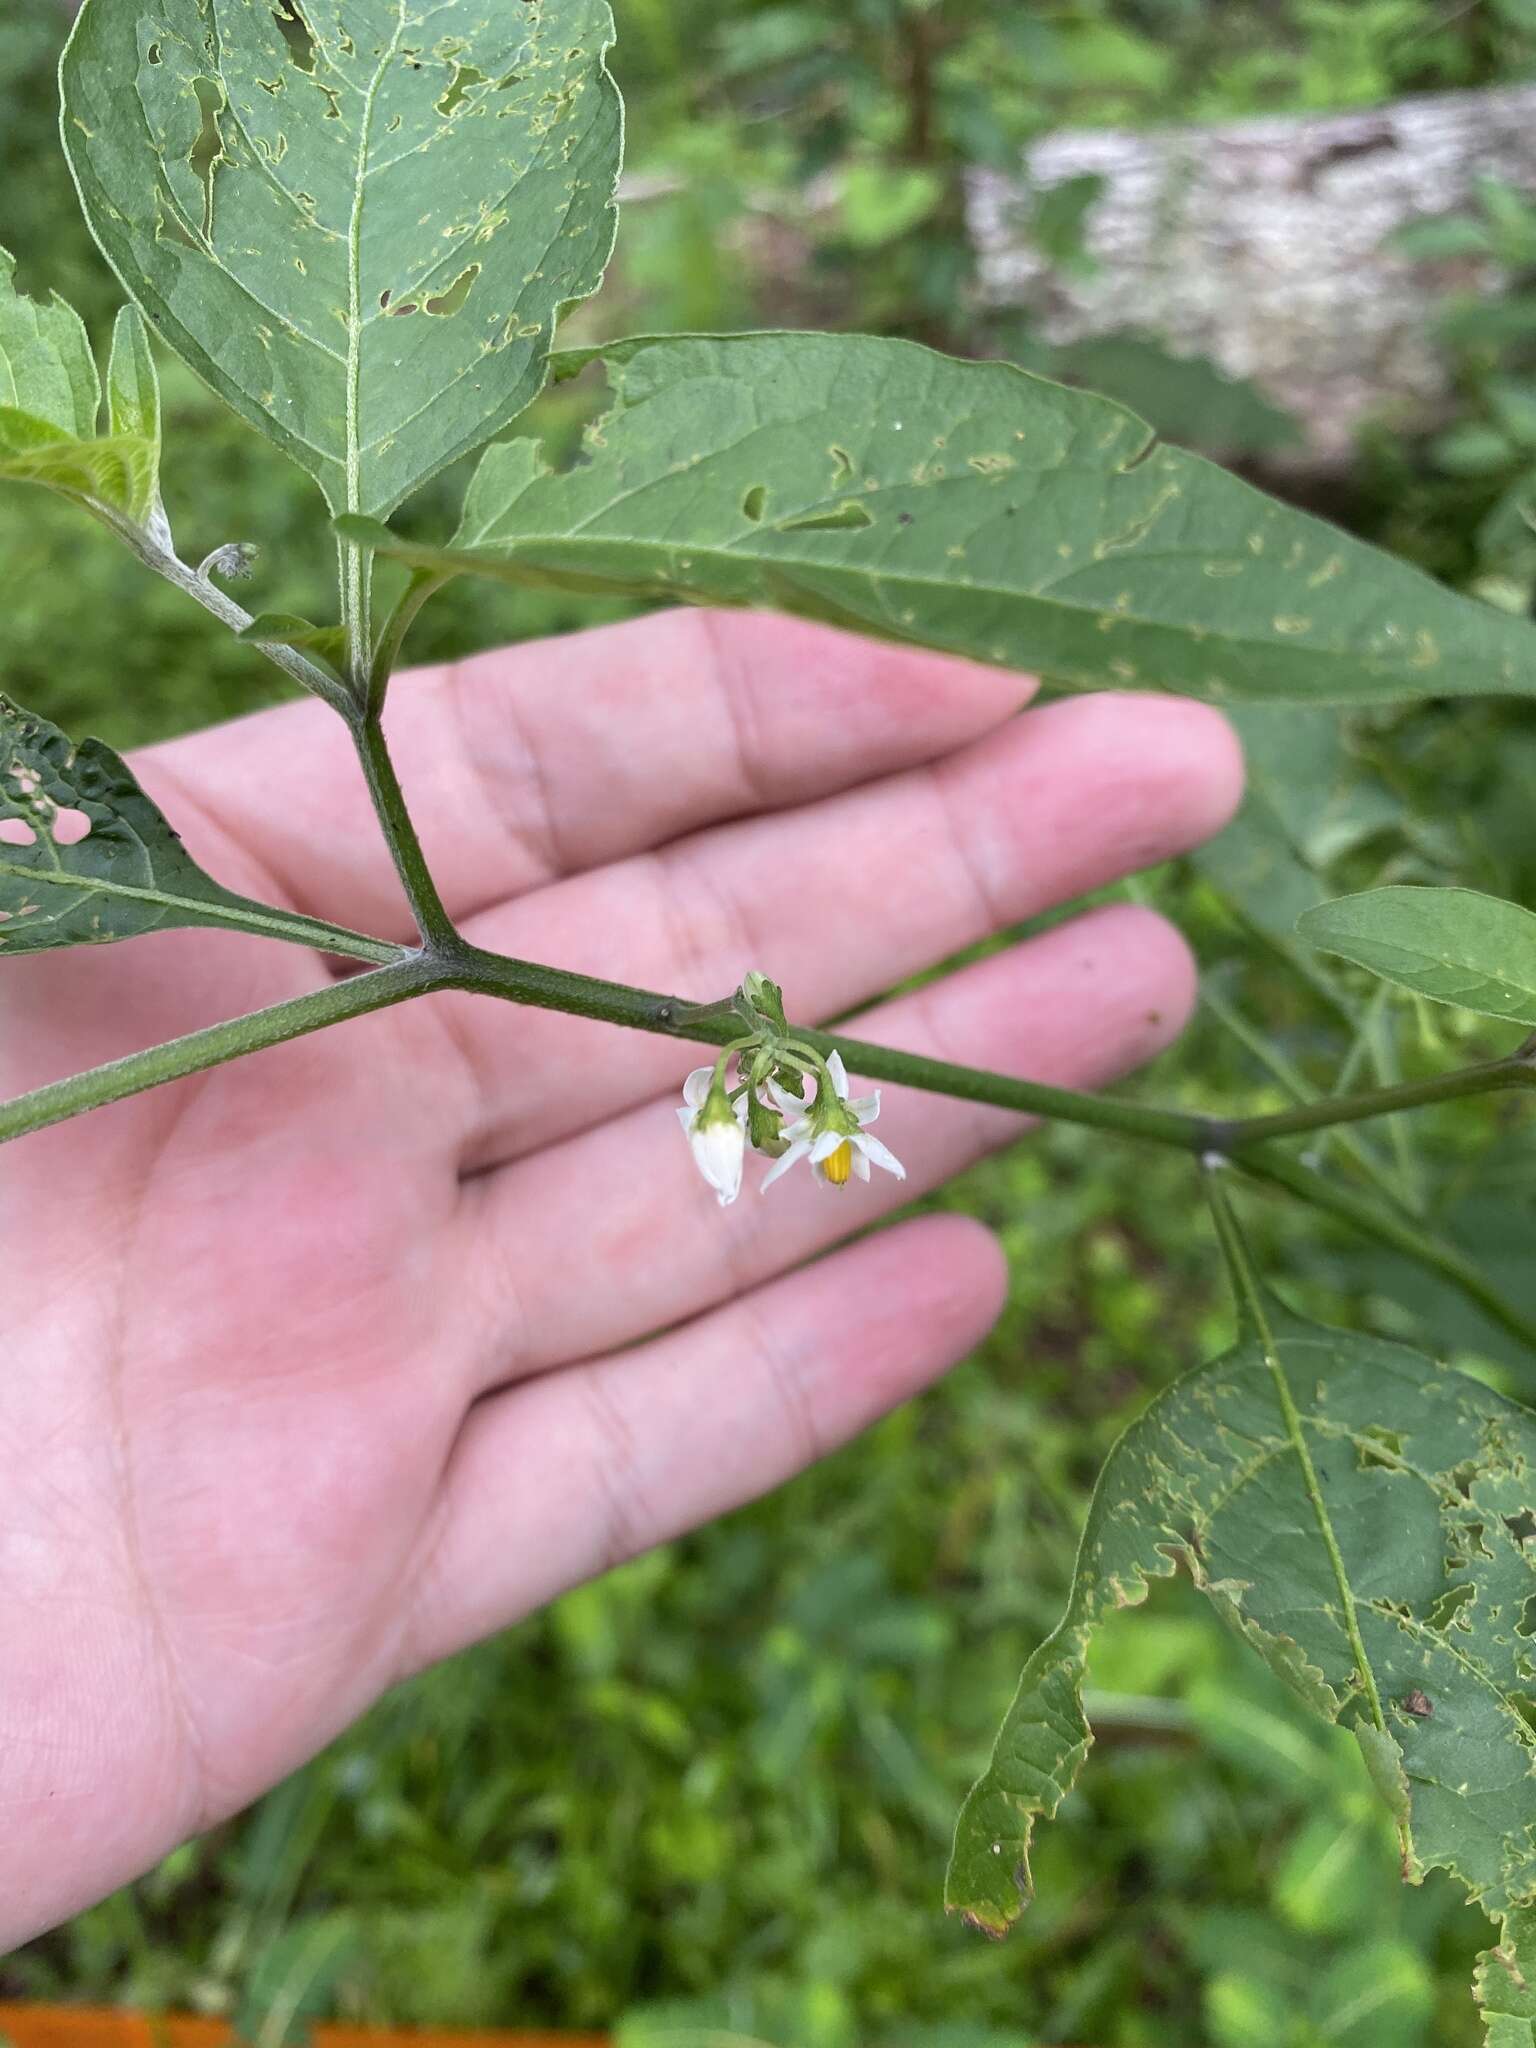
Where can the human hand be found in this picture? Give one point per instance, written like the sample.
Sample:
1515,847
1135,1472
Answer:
325,1364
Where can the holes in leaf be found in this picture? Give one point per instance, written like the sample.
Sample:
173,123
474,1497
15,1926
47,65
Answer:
1526,1625
294,30
464,77
69,827
16,832
207,151
1522,1526
384,299
1446,1606
844,463
755,503
848,518
169,227
152,54
1380,1447
452,301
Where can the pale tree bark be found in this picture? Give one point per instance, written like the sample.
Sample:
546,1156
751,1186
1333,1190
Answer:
1261,245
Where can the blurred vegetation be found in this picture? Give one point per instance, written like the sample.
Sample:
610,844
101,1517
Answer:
711,1796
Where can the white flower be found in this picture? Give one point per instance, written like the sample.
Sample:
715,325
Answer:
717,1132
833,1134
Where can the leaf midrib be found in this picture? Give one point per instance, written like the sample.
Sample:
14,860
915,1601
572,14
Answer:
222,909
1012,594
354,463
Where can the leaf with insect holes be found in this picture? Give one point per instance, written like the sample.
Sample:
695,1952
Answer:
1452,945
51,432
87,858
969,507
1422,1530
358,220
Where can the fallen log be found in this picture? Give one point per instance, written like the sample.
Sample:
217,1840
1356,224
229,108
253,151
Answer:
1263,245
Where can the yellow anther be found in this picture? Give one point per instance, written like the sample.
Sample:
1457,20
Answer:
838,1168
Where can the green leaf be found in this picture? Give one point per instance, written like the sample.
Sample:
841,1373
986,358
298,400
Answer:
882,202
1452,945
1188,399
294,1979
969,507
1418,1535
1474,450
1309,801
50,399
1505,1985
361,223
86,858
1442,238
1514,403
1381,1995
46,366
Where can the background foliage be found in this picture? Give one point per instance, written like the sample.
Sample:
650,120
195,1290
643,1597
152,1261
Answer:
736,1815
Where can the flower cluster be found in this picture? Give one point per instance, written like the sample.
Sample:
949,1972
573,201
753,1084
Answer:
788,1101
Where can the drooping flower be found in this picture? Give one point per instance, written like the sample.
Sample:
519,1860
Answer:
832,1132
717,1131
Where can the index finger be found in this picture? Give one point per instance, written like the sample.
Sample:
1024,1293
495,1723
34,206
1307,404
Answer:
551,758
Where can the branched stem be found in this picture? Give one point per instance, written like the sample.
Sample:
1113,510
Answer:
296,666
1487,1079
338,1002
447,962
432,919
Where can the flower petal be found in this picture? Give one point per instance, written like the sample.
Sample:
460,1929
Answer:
865,1107
860,1163
697,1086
719,1151
828,1143
839,1073
879,1155
780,1167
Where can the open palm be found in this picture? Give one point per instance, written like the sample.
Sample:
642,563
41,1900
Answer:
323,1365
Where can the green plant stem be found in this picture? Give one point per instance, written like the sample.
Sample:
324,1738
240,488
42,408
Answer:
296,666
714,1024
432,919
447,962
1297,1086
410,975
423,586
1250,1297
1486,1079
1391,1229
